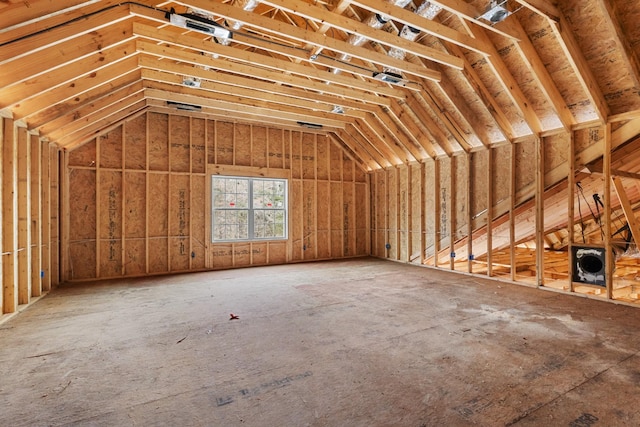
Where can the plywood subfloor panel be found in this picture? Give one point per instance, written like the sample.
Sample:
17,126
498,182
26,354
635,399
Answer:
359,343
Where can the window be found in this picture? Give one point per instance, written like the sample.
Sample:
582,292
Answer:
246,208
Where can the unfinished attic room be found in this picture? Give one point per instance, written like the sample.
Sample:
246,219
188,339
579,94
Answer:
320,213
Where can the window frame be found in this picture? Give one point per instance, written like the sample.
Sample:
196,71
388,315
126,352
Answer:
250,209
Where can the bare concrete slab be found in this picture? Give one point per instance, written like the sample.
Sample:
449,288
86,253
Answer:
362,342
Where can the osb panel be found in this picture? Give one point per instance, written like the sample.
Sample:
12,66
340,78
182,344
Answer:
360,175
552,55
336,243
277,252
416,208
309,211
479,114
82,258
392,216
308,156
403,210
179,144
198,145
110,258
198,221
360,200
377,212
501,169
222,256
287,138
455,113
110,209
492,83
134,257
211,141
259,253
362,231
348,220
82,204
110,146
158,142
462,184
158,204
361,242
479,187
295,157
158,255
179,206
323,205
275,147
445,199
525,164
241,254
324,244
85,155
242,144
135,204
259,147
430,201
585,138
347,168
135,143
322,158
335,163
296,219
555,151
521,72
601,52
336,219
179,253
224,143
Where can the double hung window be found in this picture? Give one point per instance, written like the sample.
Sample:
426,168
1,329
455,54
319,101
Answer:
245,208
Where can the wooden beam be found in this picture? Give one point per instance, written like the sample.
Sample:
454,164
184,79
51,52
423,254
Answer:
36,218
9,217
107,77
274,77
429,26
581,68
540,160
571,184
42,84
24,216
609,261
356,27
153,69
632,221
620,38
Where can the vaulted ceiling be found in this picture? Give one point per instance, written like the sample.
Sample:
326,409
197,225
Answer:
71,69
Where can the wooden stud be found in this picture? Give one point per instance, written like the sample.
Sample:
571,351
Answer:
490,198
46,217
571,184
36,218
423,216
452,212
512,210
437,207
609,263
9,218
540,211
469,193
24,216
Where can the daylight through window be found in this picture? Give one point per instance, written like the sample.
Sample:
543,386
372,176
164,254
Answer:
246,208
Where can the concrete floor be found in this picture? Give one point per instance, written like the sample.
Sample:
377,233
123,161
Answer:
346,343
